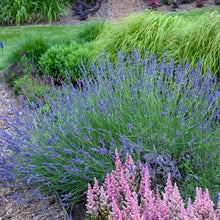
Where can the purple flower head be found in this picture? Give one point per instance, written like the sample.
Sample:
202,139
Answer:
22,53
22,70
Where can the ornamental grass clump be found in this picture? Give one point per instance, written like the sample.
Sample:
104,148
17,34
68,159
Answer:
126,194
139,106
177,34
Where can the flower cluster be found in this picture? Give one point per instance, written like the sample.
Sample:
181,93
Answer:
18,70
121,197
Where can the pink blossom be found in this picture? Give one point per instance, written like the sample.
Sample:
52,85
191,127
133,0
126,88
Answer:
116,213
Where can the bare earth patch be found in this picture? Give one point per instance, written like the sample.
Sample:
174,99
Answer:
14,209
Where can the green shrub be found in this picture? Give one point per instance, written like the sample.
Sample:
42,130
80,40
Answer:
190,39
59,57
88,32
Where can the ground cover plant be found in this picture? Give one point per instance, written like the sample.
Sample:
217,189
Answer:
189,35
126,194
20,11
139,106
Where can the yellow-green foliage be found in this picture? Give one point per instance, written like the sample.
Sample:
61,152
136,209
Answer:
190,37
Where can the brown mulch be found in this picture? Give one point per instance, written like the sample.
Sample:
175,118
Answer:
14,208
17,203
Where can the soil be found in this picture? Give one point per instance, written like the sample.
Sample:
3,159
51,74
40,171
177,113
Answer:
13,208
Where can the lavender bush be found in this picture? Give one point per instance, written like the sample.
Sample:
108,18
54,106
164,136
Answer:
139,106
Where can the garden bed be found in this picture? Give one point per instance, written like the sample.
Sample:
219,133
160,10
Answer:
110,10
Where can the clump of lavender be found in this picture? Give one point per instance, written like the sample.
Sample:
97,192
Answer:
137,106
118,199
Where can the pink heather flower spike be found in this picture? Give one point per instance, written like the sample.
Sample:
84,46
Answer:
168,188
135,214
198,203
127,162
107,181
123,183
117,172
183,214
103,202
128,204
116,213
95,189
148,199
145,180
189,210
162,210
92,209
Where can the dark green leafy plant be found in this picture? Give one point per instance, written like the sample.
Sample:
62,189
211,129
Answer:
60,58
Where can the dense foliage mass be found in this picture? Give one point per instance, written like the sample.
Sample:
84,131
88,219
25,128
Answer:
179,35
139,106
59,59
126,194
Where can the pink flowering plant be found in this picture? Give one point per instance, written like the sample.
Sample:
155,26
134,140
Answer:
127,195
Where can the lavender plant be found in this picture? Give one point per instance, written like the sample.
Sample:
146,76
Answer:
139,106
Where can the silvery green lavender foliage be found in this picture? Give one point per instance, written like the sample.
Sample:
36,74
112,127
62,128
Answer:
137,105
